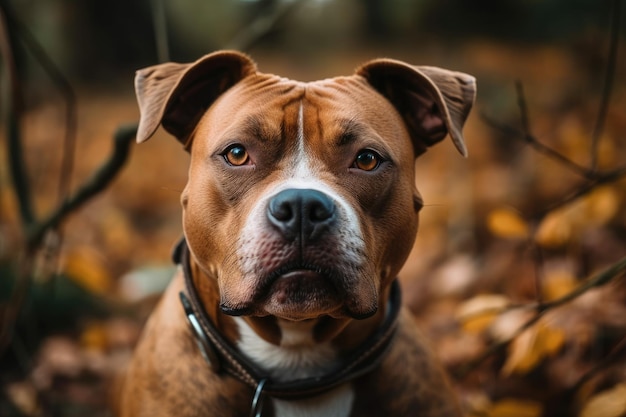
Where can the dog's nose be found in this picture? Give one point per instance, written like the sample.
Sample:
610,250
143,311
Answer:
301,213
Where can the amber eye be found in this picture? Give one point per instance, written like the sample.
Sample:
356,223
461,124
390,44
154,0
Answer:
367,160
236,155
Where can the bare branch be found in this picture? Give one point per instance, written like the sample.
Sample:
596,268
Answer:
102,177
159,20
537,146
609,359
66,90
598,280
608,83
582,190
14,108
261,26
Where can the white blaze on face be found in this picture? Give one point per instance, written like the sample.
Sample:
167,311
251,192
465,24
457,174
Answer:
302,172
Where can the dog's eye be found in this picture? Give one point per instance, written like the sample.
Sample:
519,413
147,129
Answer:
367,160
236,155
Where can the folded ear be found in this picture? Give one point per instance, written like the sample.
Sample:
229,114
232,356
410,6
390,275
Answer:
176,95
432,101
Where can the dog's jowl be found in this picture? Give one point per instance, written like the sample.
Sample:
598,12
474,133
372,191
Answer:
299,212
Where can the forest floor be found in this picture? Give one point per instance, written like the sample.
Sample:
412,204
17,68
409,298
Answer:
491,258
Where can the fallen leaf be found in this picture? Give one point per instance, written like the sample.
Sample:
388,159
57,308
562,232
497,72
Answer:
557,283
24,396
601,206
509,322
609,403
477,313
94,337
528,349
85,266
507,223
511,407
555,230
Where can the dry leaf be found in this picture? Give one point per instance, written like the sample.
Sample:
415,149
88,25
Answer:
23,395
555,230
509,322
117,232
477,313
557,284
94,337
601,206
609,403
528,349
85,267
595,209
507,223
511,407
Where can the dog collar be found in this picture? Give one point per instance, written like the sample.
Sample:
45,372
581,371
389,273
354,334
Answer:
222,357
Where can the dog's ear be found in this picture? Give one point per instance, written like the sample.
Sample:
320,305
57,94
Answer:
176,95
432,101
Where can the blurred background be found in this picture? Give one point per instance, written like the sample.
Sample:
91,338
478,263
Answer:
537,211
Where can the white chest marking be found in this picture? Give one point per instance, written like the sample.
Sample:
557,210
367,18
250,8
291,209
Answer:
298,356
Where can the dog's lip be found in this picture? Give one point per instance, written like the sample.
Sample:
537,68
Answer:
298,270
290,285
307,279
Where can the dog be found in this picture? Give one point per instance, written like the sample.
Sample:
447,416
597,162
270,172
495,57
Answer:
299,212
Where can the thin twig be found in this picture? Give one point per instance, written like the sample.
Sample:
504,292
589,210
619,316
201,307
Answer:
594,178
538,146
17,168
71,120
598,280
261,26
159,21
66,90
582,190
14,108
608,83
618,349
523,111
102,177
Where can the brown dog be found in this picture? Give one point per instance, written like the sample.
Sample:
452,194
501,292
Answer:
299,212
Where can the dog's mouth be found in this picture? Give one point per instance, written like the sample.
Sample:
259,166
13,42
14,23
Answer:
298,292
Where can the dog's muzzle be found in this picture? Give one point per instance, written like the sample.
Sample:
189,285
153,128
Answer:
301,214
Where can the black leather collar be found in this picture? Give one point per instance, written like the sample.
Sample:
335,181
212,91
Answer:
222,357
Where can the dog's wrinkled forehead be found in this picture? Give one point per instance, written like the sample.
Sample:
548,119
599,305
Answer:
270,108
432,102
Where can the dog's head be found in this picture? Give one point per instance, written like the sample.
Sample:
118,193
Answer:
301,199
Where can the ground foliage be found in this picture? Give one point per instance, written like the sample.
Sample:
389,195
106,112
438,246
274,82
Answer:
510,278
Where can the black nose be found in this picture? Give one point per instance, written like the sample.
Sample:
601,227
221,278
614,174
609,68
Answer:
301,213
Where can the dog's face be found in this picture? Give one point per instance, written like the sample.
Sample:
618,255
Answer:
301,199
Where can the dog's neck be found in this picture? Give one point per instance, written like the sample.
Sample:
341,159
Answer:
312,361
310,344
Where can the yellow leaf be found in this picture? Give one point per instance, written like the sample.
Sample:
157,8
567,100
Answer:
555,230
85,266
601,206
94,337
23,395
609,403
557,283
528,349
510,407
507,223
508,323
117,232
477,313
